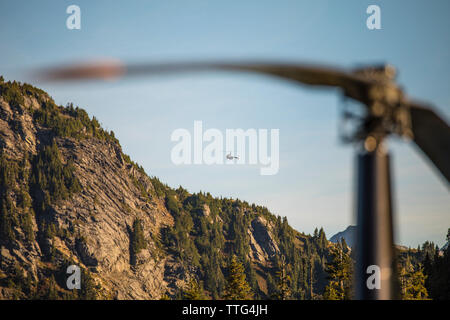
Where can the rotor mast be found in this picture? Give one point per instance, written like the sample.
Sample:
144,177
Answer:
375,271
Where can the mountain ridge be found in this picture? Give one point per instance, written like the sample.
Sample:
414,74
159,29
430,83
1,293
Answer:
349,235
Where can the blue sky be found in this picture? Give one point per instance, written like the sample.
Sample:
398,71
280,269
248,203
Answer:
315,182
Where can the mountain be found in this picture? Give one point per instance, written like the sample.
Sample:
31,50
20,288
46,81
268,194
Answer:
70,196
348,234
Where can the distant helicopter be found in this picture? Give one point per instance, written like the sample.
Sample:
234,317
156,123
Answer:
231,157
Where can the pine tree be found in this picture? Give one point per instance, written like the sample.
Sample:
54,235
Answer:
322,239
339,273
405,271
193,290
438,281
415,286
448,237
137,240
332,292
283,291
237,287
311,276
89,288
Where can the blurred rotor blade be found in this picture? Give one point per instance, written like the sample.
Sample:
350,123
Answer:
102,69
432,135
353,85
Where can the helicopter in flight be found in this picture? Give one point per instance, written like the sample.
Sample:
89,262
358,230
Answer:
231,157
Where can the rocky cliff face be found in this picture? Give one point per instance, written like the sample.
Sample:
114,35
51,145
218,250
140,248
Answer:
90,225
101,213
